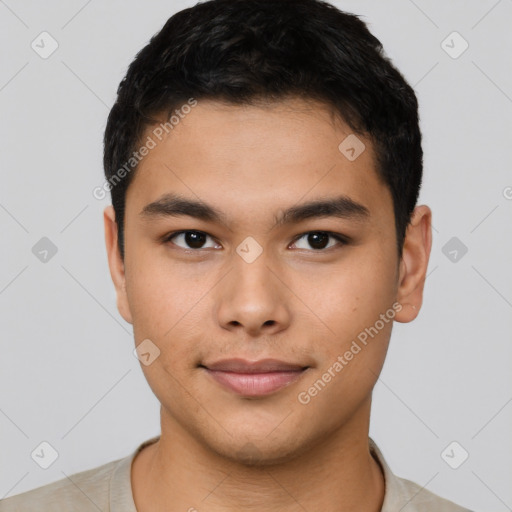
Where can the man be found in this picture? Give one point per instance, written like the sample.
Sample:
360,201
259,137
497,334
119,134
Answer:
264,160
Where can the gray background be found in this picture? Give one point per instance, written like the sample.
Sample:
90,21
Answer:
67,372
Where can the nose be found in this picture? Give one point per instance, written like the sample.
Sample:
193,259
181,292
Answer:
252,298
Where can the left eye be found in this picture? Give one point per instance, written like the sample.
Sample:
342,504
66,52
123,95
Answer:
319,239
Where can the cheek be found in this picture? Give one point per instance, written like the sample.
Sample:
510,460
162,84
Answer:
160,293
170,319
163,311
352,296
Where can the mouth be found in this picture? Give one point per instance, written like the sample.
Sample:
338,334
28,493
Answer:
254,378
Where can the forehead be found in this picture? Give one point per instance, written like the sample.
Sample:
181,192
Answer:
257,158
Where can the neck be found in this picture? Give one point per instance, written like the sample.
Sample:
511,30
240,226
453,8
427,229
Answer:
335,474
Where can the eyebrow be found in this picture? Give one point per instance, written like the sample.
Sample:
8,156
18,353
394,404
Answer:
174,205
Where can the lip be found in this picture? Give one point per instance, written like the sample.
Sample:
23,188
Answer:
254,378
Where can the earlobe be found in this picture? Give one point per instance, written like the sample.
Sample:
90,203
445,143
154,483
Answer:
116,264
414,263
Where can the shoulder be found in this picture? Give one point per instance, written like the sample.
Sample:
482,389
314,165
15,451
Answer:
418,499
87,490
408,496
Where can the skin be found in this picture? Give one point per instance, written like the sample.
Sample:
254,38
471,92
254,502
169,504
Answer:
219,450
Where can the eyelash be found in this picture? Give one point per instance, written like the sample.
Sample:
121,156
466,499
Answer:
344,240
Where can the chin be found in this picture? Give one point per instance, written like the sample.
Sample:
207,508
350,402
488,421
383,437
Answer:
258,453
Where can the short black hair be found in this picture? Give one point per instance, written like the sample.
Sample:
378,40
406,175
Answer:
247,51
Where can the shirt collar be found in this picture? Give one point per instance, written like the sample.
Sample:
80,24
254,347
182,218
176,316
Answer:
394,492
121,492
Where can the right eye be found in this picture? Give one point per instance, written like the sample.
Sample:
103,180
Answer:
194,239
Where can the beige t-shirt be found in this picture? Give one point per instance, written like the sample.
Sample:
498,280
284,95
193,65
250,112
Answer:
107,488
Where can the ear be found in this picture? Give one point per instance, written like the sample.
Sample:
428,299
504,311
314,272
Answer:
116,263
414,263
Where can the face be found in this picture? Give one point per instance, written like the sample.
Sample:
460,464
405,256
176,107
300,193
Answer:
261,265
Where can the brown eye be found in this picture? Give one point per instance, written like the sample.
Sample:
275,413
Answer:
319,240
190,239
